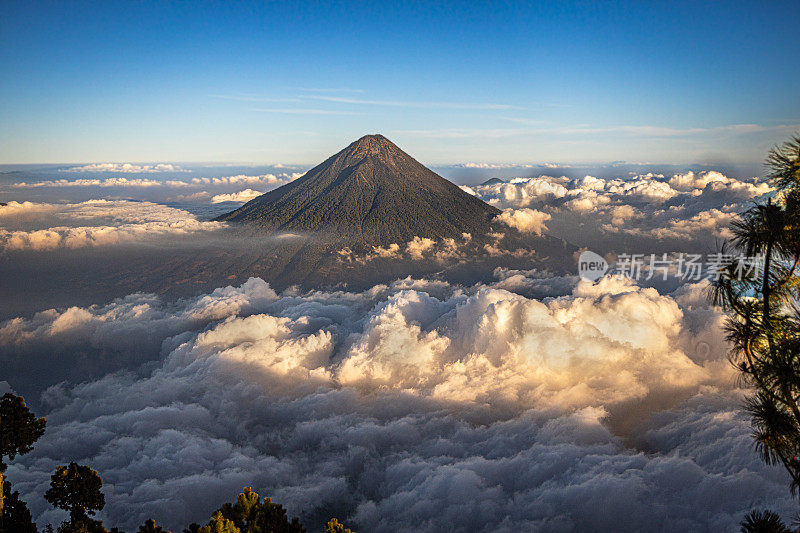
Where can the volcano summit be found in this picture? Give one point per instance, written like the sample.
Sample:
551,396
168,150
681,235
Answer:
369,193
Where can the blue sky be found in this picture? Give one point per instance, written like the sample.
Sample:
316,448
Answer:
677,82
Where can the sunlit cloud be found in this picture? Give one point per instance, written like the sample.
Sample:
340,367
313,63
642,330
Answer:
692,208
525,220
241,196
95,223
126,167
261,179
408,392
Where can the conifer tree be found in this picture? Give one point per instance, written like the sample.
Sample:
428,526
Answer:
76,488
151,527
764,317
16,516
19,430
220,524
764,320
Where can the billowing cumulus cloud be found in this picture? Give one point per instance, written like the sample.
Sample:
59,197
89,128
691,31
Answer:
417,405
263,179
241,196
675,212
417,249
713,221
696,183
19,209
534,402
525,220
92,223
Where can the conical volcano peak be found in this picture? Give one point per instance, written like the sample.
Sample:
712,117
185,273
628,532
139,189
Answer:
373,141
372,193
374,146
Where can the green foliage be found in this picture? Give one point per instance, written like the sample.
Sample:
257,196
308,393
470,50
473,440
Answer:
19,428
784,163
151,527
76,488
16,516
251,514
763,522
333,526
220,524
82,525
764,317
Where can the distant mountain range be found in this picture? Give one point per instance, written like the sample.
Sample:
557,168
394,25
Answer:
370,193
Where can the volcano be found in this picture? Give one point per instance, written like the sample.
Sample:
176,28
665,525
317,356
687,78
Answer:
350,223
372,193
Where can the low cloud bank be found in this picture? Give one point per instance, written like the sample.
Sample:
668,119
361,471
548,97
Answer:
92,223
170,187
239,179
419,405
126,167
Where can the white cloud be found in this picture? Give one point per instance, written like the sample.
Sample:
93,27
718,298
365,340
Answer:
586,200
106,182
480,409
241,196
695,183
417,247
622,213
689,207
714,221
495,166
525,220
650,189
127,168
391,251
269,180
15,209
98,223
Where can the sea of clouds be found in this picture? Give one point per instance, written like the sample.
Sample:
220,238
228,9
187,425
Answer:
685,211
415,405
531,401
690,208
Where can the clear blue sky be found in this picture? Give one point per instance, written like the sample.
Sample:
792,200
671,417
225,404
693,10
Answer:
498,82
